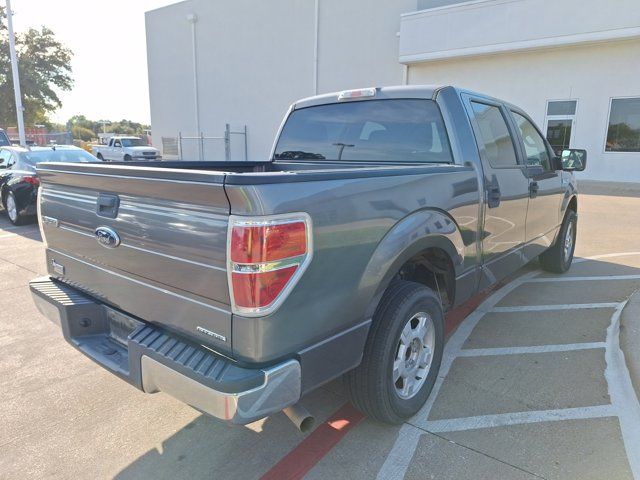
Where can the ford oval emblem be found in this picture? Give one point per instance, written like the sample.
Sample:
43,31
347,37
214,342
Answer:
107,237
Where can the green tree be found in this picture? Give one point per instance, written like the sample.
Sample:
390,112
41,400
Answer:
44,65
83,133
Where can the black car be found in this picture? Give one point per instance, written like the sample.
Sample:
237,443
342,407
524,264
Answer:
18,179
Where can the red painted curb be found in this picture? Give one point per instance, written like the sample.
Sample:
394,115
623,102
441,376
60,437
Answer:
299,461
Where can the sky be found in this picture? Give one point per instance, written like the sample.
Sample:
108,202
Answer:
110,60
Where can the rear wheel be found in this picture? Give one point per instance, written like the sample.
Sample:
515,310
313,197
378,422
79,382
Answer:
558,258
11,206
402,355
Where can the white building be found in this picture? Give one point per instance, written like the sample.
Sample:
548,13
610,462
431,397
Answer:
574,65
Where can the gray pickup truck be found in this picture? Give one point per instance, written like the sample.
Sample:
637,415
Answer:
240,287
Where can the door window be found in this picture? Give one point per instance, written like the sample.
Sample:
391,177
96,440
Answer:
5,156
561,116
494,138
534,145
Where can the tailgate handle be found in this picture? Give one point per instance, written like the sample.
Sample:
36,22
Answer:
107,205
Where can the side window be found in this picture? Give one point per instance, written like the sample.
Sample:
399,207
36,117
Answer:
494,137
117,143
5,156
534,146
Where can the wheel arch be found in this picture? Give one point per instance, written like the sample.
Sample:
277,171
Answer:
415,240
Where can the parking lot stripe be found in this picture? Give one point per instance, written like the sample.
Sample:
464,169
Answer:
299,461
485,352
583,279
518,418
399,457
542,308
606,255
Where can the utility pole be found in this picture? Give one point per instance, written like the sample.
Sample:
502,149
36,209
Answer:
16,76
192,18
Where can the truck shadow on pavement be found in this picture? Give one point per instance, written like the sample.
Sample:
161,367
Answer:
207,448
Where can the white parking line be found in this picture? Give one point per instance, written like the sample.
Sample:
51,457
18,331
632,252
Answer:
542,308
487,352
606,255
584,279
519,418
396,463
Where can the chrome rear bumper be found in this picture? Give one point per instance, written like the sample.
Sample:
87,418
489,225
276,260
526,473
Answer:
280,389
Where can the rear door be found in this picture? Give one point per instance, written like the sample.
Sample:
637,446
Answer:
148,241
545,186
506,189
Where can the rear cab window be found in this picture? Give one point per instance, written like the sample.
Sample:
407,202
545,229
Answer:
391,130
4,140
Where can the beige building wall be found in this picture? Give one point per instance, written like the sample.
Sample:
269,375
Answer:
590,74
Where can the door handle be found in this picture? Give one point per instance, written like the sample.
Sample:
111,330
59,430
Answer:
533,189
107,205
493,196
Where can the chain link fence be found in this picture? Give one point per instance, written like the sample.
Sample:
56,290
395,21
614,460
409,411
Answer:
230,146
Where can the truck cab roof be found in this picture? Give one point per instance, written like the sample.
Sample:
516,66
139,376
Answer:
427,92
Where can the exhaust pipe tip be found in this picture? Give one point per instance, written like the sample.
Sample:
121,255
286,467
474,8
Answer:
300,417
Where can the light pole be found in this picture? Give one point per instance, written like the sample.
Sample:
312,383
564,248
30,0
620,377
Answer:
192,18
16,76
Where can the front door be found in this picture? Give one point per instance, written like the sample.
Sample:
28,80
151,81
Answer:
506,189
545,187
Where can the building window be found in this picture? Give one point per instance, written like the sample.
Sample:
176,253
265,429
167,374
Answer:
623,133
560,119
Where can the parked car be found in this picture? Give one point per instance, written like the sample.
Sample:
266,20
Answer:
126,149
4,139
19,181
240,287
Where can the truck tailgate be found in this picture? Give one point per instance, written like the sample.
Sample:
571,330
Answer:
169,267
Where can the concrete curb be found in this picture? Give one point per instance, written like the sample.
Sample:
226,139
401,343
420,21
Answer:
630,339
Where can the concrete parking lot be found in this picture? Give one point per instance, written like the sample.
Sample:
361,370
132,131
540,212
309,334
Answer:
534,384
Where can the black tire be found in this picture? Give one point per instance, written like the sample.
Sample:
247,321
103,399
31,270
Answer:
100,157
371,385
14,216
557,259
127,158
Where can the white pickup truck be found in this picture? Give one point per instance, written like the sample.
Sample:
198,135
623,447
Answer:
127,149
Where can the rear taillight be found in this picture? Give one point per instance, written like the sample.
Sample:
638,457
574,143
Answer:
33,180
266,257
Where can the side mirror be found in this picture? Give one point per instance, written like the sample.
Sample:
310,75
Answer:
573,160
